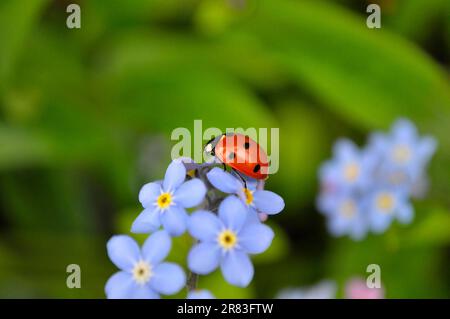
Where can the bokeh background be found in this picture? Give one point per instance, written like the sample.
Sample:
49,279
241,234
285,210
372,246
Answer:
86,116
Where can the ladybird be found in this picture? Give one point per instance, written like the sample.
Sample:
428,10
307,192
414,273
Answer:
241,153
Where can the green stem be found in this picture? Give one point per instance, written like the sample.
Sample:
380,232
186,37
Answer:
192,281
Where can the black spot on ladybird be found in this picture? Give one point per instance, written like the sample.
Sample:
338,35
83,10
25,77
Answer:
256,168
246,145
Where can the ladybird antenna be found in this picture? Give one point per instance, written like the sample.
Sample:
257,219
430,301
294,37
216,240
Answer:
242,178
212,139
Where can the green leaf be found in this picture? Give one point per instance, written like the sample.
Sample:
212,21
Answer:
431,230
119,13
369,77
19,148
417,19
304,141
150,85
406,272
36,264
16,21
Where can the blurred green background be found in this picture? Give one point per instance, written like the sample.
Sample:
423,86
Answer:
86,116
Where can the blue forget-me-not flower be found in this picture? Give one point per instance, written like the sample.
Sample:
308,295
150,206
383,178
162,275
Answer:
225,240
347,217
143,274
366,189
404,154
257,200
384,205
349,167
326,289
165,202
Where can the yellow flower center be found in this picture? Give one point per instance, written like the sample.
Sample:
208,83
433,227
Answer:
142,272
248,196
348,209
227,239
385,202
191,173
401,154
164,200
351,172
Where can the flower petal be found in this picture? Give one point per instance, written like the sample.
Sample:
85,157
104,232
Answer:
190,193
337,225
168,278
252,216
380,221
233,213
156,247
123,251
203,258
149,193
174,220
426,148
175,175
255,238
224,181
268,202
359,229
405,213
237,269
404,130
200,294
147,222
204,225
144,292
345,149
120,286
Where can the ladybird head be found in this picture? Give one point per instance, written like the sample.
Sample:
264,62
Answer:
211,145
209,148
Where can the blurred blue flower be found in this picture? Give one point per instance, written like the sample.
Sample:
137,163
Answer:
405,155
257,200
349,167
165,202
325,289
348,171
226,240
386,204
365,190
347,217
143,274
200,294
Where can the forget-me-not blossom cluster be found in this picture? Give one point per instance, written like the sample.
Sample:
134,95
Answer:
364,190
225,221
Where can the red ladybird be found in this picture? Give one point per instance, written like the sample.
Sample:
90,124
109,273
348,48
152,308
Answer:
241,153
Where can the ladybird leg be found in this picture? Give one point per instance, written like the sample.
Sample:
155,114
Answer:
242,178
224,167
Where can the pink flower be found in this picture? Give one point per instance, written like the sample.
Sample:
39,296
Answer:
357,288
